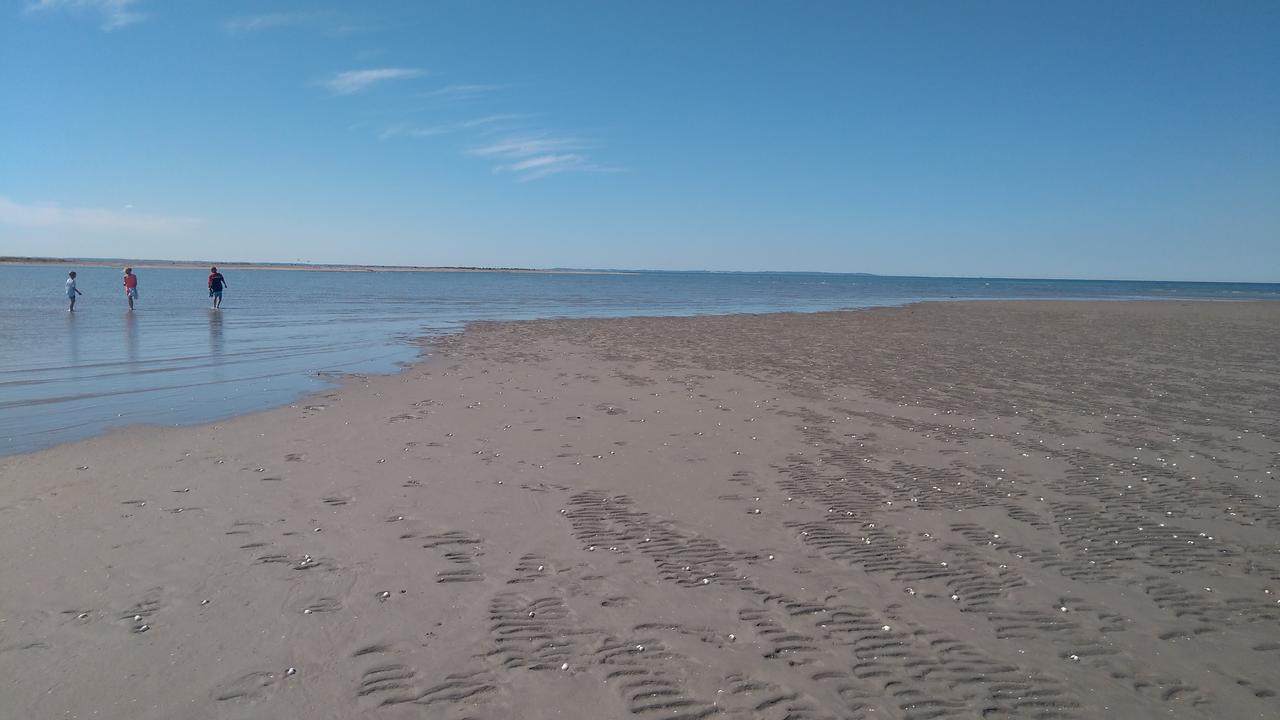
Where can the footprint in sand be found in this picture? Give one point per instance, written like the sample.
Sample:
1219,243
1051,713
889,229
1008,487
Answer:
80,616
321,587
319,605
139,614
386,680
529,569
250,687
22,645
240,527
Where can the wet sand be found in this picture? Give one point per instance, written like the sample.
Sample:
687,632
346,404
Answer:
968,510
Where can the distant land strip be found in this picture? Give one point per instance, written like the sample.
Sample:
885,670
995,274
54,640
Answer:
319,267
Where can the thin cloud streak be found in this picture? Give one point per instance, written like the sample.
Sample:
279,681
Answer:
489,121
57,217
414,131
267,21
507,139
542,166
545,161
354,81
481,125
115,14
326,22
521,147
533,157
464,92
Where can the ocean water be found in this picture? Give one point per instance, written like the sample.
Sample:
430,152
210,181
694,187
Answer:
284,333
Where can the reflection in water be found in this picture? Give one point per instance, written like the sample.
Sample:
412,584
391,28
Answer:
131,337
215,336
73,344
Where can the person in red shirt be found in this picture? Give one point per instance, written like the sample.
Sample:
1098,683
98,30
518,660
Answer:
216,283
130,286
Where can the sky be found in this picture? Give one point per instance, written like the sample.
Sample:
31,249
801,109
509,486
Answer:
1129,140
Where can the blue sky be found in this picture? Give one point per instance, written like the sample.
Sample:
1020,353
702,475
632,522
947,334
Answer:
1074,139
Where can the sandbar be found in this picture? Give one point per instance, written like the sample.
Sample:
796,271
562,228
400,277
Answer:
944,510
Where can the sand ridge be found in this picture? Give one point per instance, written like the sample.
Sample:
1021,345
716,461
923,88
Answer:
971,510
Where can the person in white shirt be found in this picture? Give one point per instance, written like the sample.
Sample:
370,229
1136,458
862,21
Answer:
72,291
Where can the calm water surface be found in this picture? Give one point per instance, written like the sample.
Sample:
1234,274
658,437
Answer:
283,333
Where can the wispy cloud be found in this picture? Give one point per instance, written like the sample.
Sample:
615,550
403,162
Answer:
327,22
496,122
480,126
414,131
541,166
511,142
266,21
115,14
354,81
53,216
464,92
521,147
534,157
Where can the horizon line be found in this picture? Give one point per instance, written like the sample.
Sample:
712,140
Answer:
248,264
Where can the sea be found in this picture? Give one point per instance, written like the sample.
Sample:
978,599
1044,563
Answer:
284,333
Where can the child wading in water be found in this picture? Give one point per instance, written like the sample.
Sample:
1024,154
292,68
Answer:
216,283
72,291
130,286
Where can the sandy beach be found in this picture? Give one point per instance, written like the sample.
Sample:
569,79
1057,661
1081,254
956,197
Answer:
947,510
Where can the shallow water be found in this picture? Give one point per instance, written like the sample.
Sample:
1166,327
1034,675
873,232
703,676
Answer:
65,375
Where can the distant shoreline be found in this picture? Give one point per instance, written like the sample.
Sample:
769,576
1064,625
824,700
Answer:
125,262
